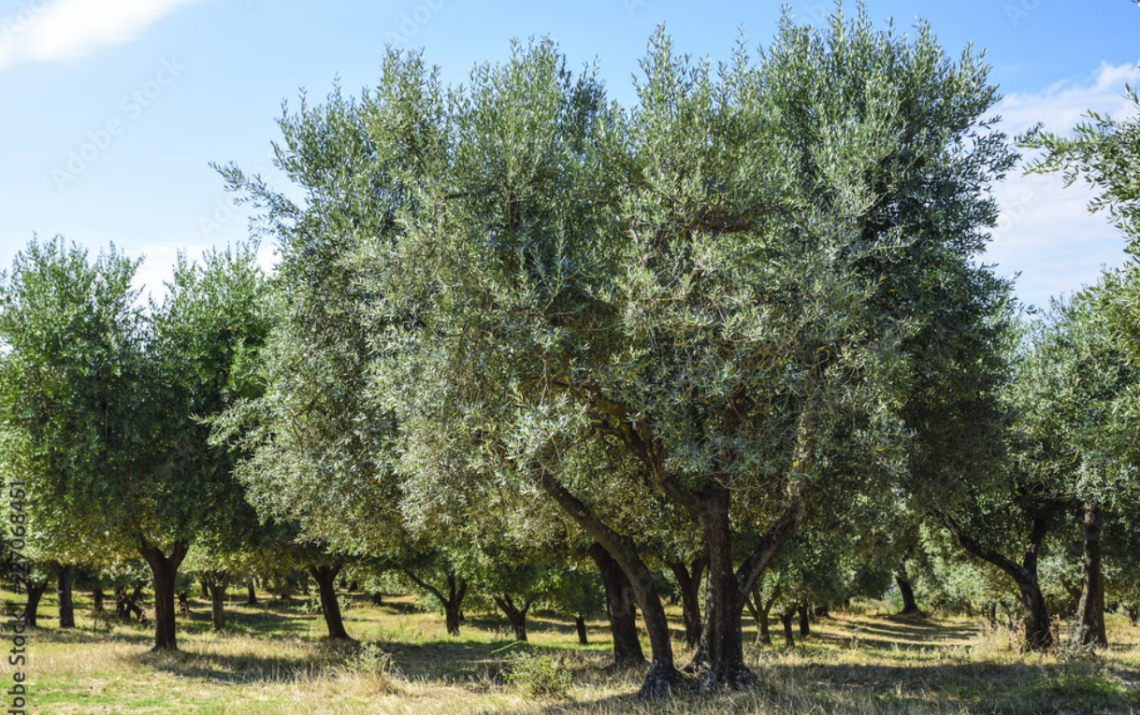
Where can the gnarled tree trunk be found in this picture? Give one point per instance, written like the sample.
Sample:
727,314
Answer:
689,583
516,614
1090,629
452,601
1038,631
910,606
619,608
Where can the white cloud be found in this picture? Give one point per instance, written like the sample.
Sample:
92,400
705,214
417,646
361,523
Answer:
43,31
1046,232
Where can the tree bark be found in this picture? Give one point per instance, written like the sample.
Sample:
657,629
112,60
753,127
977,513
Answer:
1090,630
805,622
619,608
218,604
325,576
34,591
452,602
910,606
786,618
164,569
97,599
251,598
204,587
1038,631
65,580
580,625
515,613
689,584
724,640
662,676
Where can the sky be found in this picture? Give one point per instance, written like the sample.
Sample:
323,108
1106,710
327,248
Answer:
112,110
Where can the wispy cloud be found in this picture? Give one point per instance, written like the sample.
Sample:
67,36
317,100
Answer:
1046,232
43,31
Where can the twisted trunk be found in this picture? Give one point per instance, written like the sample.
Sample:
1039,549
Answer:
452,601
662,676
619,608
910,606
1038,634
1090,630
689,584
516,614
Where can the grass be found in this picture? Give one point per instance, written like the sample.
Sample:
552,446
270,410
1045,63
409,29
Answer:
274,660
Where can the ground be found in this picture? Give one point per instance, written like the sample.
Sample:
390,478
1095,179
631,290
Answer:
273,660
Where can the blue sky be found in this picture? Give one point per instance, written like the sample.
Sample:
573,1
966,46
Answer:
113,108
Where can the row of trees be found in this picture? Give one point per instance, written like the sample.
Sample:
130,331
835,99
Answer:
739,333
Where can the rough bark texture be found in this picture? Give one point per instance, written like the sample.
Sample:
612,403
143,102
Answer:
1038,633
689,583
724,640
1090,629
580,625
164,569
218,604
65,574
663,675
325,576
515,613
619,609
35,591
452,601
910,606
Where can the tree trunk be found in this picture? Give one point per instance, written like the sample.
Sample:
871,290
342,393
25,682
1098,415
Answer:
205,588
786,618
515,614
1090,629
580,624
377,598
1133,612
97,598
251,598
452,602
619,609
724,640
765,634
662,676
805,622
325,576
218,604
910,606
689,584
35,592
66,578
1038,631
164,570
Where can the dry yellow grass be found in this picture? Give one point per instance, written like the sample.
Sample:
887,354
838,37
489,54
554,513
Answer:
274,661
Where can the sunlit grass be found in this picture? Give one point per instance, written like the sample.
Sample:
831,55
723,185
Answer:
274,660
